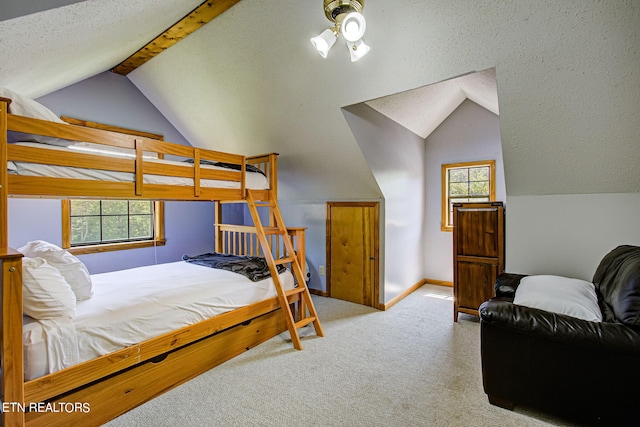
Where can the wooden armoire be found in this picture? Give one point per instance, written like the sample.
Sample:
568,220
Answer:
478,254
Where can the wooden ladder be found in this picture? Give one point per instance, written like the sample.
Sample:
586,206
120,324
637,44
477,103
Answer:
306,310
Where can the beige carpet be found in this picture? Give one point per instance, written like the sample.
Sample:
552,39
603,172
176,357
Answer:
409,366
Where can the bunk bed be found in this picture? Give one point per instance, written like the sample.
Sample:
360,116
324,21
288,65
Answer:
44,156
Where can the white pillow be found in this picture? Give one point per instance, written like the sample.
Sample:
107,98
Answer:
45,293
557,294
23,106
71,268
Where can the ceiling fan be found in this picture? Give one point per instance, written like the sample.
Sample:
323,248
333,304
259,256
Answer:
348,22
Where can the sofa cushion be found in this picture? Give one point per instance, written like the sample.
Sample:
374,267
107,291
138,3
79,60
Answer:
617,281
562,295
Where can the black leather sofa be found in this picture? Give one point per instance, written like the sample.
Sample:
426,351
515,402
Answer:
581,370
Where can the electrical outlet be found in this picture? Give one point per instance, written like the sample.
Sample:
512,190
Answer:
321,270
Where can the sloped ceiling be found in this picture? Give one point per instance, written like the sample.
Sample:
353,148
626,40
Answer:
423,109
567,76
16,9
45,51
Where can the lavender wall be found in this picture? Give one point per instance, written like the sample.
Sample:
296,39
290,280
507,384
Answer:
112,99
407,170
311,214
470,133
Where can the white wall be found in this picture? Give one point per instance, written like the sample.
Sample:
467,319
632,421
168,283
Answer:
396,158
568,78
470,133
568,235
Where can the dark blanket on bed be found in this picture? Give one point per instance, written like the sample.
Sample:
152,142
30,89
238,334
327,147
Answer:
248,167
254,268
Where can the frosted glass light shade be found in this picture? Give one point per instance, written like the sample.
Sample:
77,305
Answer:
324,41
353,27
358,50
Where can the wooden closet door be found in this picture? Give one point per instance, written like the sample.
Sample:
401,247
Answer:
352,252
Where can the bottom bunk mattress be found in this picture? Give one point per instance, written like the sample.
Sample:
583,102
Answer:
130,306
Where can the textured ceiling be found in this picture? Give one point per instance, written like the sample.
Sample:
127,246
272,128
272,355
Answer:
250,81
422,110
45,51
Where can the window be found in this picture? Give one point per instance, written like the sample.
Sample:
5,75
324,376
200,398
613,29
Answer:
466,182
90,226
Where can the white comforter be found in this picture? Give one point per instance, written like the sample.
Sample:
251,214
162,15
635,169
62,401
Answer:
133,305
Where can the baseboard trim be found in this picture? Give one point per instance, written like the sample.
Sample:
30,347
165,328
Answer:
398,298
403,295
438,282
410,290
318,292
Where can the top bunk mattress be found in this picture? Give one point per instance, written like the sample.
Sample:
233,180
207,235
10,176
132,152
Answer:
255,180
133,305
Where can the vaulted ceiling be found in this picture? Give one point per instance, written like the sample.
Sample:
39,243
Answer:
249,81
47,48
423,109
420,110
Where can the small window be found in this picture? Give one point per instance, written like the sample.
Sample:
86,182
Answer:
466,182
107,225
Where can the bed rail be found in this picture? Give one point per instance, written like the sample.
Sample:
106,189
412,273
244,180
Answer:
242,240
237,240
4,175
268,164
90,378
142,161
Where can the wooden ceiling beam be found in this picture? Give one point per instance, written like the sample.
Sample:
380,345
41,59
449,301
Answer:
198,17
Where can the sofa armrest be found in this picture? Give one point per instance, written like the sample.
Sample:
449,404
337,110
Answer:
503,314
507,283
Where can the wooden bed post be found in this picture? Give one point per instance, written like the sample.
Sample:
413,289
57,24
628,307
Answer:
273,173
297,237
4,189
116,382
217,220
12,355
273,177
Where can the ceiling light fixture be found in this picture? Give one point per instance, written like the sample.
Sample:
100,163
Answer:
348,20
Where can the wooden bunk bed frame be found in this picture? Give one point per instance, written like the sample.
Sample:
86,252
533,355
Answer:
117,382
